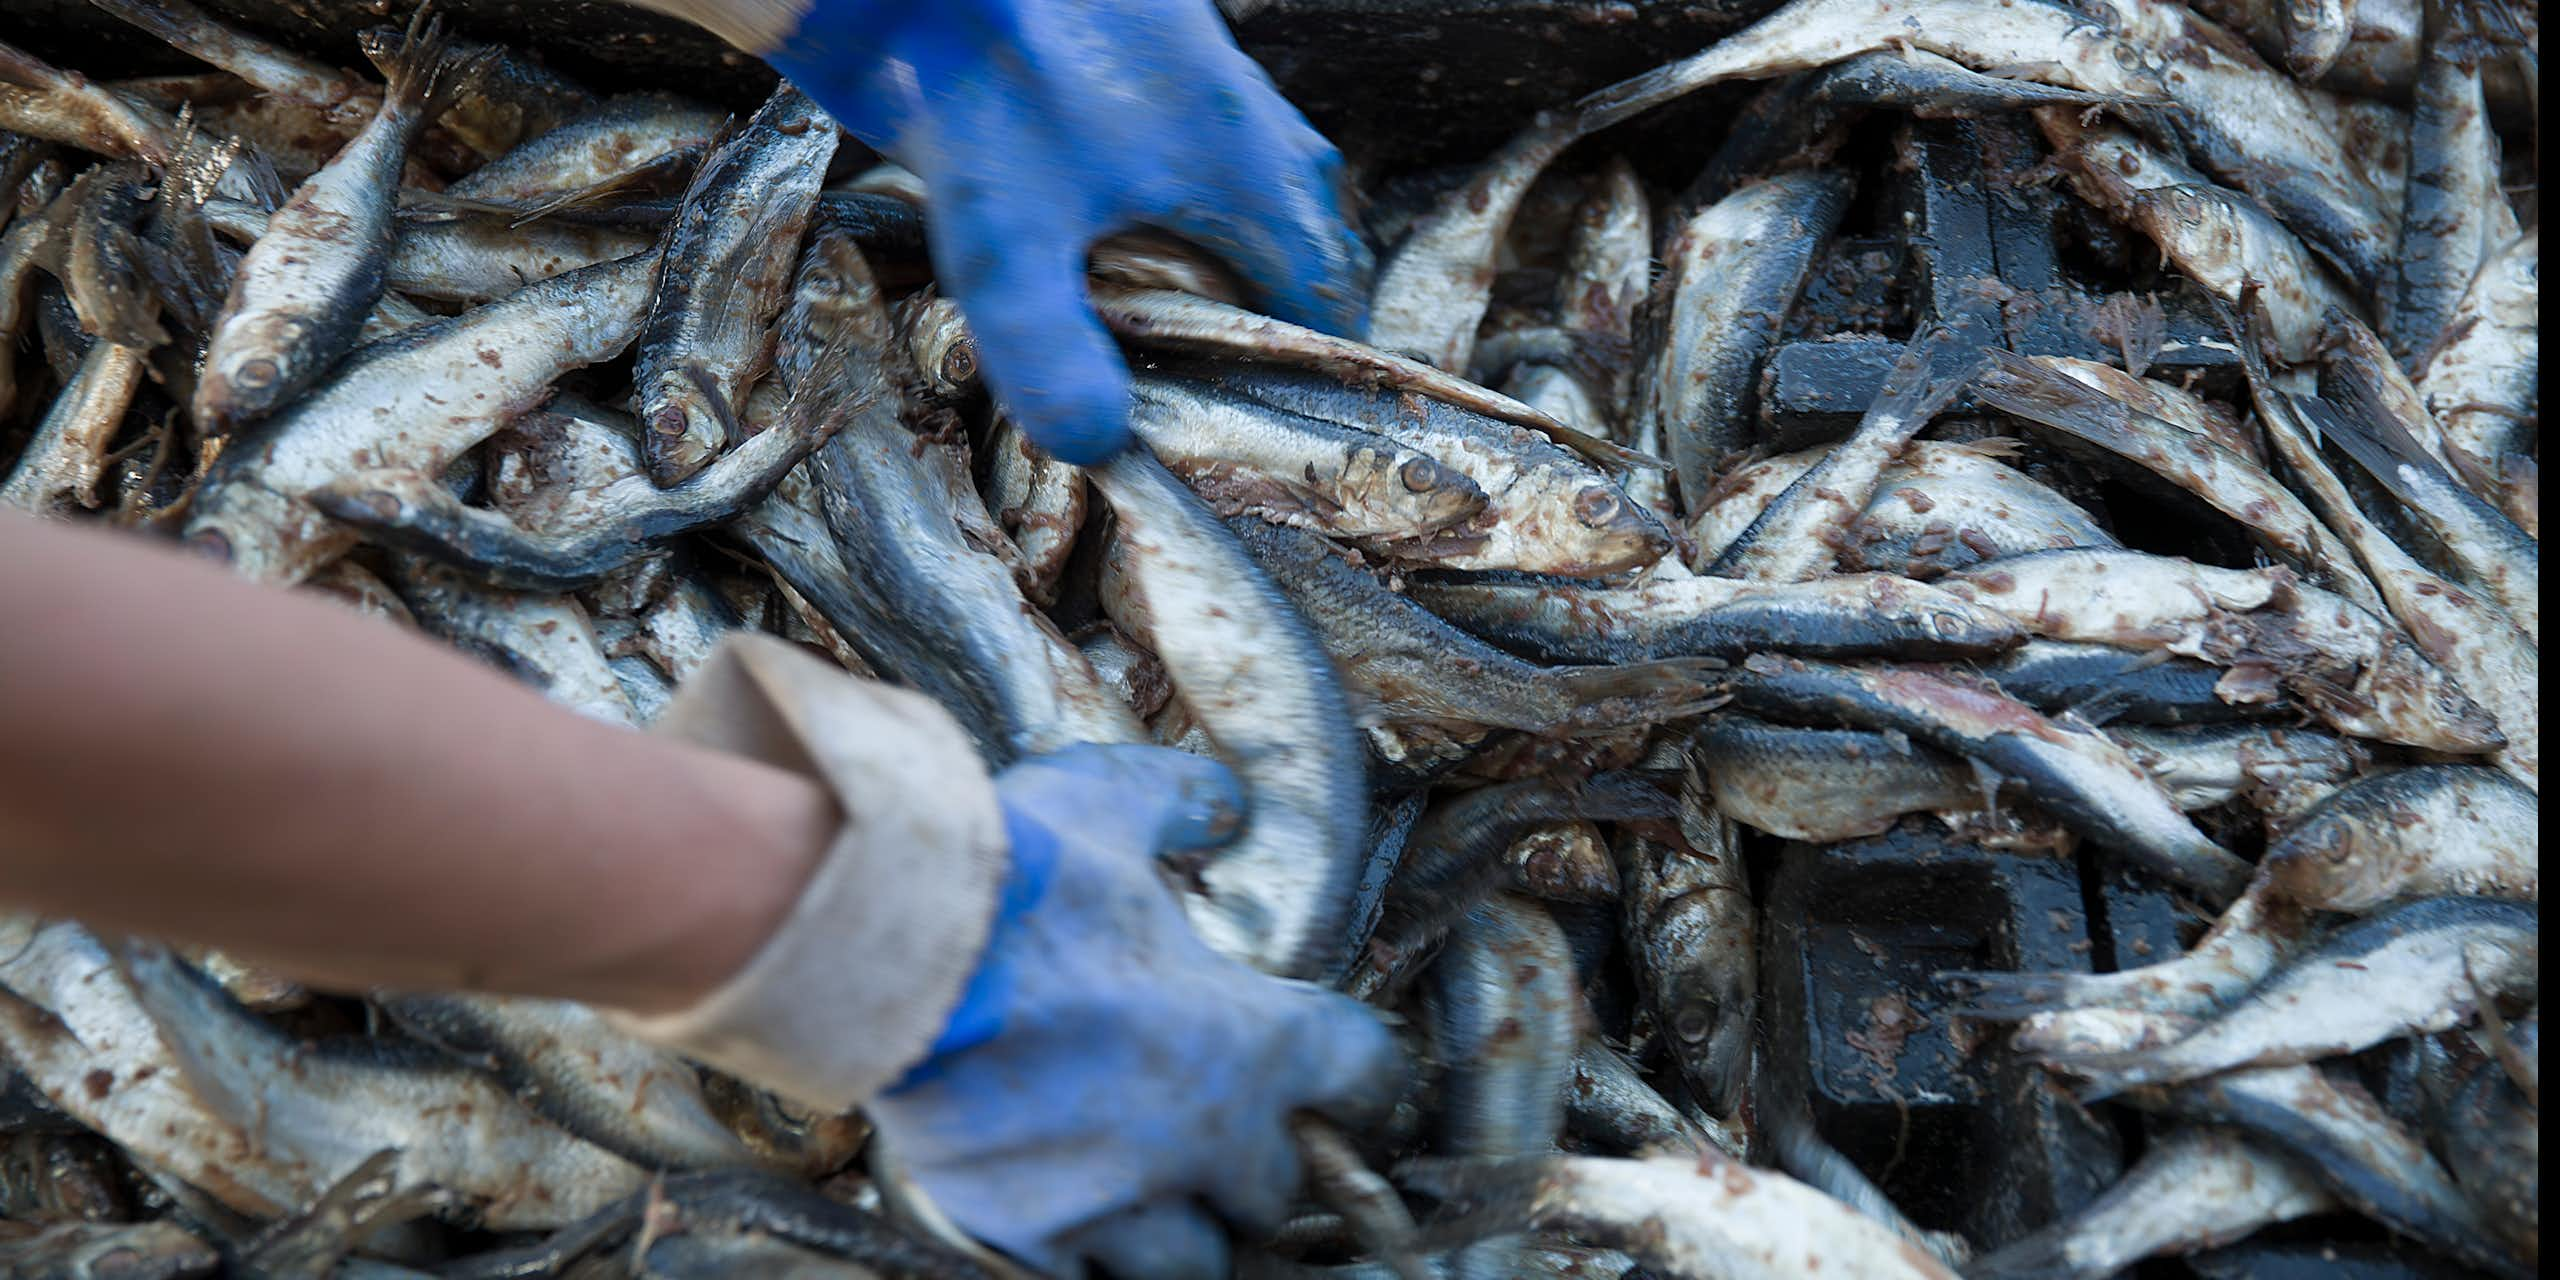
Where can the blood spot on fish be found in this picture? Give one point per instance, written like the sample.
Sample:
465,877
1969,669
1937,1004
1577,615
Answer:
489,356
97,1083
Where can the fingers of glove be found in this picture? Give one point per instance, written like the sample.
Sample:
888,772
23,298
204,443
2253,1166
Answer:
1147,798
1256,1180
1345,1063
1168,1240
1267,195
1014,261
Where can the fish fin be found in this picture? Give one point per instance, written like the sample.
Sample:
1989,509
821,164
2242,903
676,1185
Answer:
2368,433
420,70
189,1010
1994,995
599,194
2045,1255
1480,1195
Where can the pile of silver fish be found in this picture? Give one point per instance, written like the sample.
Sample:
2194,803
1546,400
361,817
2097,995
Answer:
1533,649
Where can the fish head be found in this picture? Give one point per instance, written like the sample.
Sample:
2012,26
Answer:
255,363
2333,864
263,535
1940,624
1608,530
1408,492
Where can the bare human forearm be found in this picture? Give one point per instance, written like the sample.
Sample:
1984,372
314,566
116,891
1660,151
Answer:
186,755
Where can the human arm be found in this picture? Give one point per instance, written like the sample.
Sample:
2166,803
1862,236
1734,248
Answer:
1039,126
195,757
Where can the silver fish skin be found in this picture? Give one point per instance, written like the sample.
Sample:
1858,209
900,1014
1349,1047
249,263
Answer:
41,100
2084,780
2196,1189
304,286
1687,916
1416,667
2078,407
921,593
1242,455
721,282
2211,235
2351,668
156,1250
575,1070
2365,1159
1608,259
1261,684
275,70
622,134
25,246
1661,616
2390,837
2482,380
70,1018
2285,772
333,1110
1800,534
1546,510
1608,1103
1452,858
2472,640
2455,212
1741,494
596,515
467,260
1693,1216
415,401
1827,784
1434,285
1921,524
2480,542
2175,405
2104,683
2270,136
2490,1137
1186,323
1040,503
2413,969
1504,1004
545,640
1793,115
60,466
1730,274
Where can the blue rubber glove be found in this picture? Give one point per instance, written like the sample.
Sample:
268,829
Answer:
1108,1082
1039,126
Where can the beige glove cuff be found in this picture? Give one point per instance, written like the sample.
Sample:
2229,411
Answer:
861,977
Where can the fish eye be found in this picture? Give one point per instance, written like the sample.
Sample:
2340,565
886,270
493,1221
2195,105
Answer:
256,373
212,544
1596,507
1943,625
960,364
1422,475
1693,1023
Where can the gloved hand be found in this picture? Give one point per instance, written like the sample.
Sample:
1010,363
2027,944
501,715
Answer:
1041,125
1107,1080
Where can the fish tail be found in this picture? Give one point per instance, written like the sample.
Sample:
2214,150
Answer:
1622,796
1642,692
2042,1256
1994,995
418,68
1480,1195
2379,444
